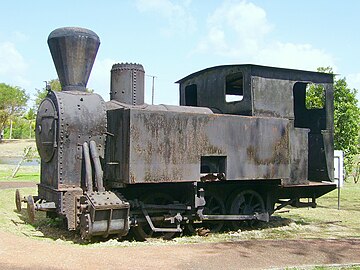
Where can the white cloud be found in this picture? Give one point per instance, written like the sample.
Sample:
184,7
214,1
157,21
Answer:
289,55
239,31
235,29
242,17
13,66
178,16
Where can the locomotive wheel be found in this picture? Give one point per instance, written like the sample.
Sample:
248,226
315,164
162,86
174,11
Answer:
31,208
18,200
143,231
247,202
214,206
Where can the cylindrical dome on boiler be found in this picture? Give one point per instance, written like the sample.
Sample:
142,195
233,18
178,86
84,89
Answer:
127,83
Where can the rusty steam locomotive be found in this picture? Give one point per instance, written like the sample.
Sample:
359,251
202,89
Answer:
241,145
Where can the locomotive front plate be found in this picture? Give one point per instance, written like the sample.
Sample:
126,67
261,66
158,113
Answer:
46,130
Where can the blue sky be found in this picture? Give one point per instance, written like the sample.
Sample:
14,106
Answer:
172,39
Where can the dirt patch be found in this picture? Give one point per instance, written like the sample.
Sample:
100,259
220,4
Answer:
254,254
16,184
15,148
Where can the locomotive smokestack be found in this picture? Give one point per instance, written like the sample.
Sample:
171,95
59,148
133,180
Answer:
127,83
73,51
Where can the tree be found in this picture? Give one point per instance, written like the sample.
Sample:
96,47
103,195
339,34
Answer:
346,116
13,101
346,122
30,116
315,93
54,86
41,94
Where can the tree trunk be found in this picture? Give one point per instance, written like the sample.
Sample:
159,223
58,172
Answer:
20,162
10,133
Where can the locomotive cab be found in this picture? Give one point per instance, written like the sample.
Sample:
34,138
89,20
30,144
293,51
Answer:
261,91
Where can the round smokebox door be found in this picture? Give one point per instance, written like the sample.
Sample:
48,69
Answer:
46,129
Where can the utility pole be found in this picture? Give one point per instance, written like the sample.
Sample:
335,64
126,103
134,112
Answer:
152,88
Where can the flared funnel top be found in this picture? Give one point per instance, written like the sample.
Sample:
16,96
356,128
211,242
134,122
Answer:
73,50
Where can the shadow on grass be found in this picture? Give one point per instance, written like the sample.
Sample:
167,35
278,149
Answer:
56,228
277,221
51,228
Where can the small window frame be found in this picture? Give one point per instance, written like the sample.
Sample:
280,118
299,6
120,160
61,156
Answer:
190,93
234,87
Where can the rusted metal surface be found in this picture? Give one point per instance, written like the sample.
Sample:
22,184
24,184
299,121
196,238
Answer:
74,127
271,92
46,129
106,213
299,156
18,200
242,140
73,50
168,146
267,101
31,208
128,83
63,123
70,207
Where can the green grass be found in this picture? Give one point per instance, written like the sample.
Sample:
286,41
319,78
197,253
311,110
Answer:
325,222
15,149
10,220
18,223
25,173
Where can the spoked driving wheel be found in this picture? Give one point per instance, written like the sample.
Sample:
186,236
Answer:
214,205
143,230
247,202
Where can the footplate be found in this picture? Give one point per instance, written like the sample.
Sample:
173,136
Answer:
103,213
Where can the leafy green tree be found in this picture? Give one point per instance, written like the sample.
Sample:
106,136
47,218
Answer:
346,116
54,86
13,101
20,128
41,94
30,116
346,122
315,94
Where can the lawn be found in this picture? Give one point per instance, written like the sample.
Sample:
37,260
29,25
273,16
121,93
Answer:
14,149
25,173
325,221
